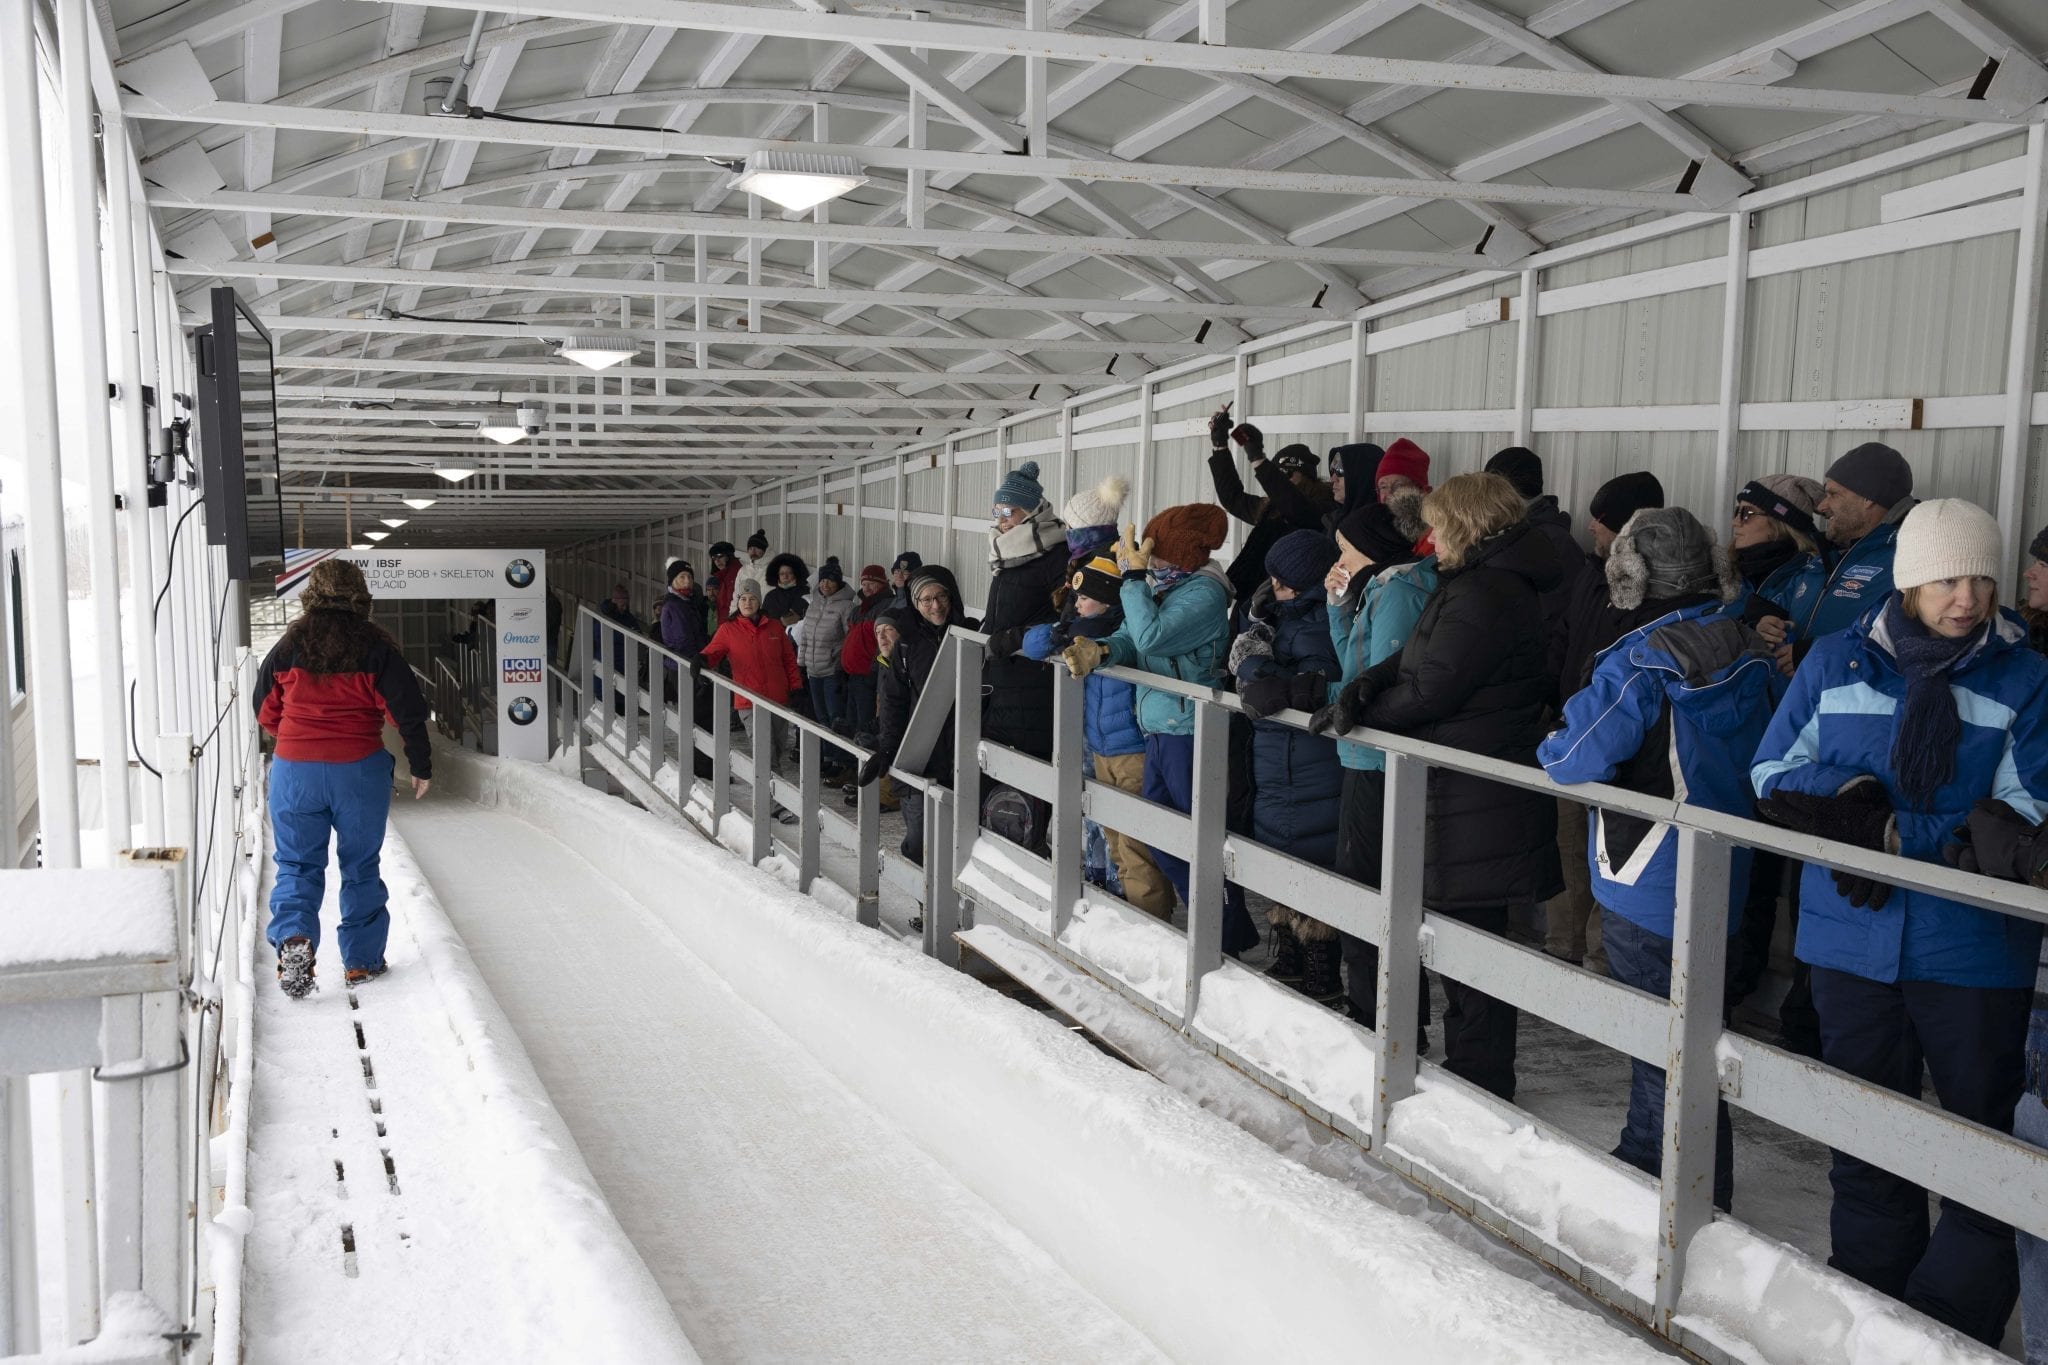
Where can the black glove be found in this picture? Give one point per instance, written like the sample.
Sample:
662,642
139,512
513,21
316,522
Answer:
1860,814
1341,716
1003,643
1865,893
1262,698
1219,428
1997,841
871,767
1252,439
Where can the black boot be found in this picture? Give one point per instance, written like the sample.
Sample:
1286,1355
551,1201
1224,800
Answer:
1321,979
1287,958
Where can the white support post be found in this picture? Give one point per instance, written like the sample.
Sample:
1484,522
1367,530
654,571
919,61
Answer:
81,1239
754,305
1147,457
920,140
1210,14
31,391
1402,834
2023,350
1036,16
703,318
1526,358
20,1332
86,298
821,251
1361,381
1734,326
1068,472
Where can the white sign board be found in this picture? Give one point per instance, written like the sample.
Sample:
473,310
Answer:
516,580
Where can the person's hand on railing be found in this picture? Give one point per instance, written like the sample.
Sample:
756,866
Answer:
1860,813
1997,841
1340,717
1131,556
871,767
1003,643
1300,693
1085,656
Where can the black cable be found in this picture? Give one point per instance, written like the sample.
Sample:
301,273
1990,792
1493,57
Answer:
133,747
574,123
171,563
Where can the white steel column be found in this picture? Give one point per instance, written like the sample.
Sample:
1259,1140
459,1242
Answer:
919,140
33,391
1526,359
1734,324
87,294
1361,375
2022,355
1036,16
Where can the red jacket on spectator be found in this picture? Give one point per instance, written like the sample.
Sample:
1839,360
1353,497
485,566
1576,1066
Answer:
721,588
857,655
761,657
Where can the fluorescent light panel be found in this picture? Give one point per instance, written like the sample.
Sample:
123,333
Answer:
798,180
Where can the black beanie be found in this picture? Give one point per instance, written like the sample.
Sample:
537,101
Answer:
1875,471
1371,531
2039,549
1624,495
830,570
758,541
723,547
1300,559
1521,467
909,559
676,566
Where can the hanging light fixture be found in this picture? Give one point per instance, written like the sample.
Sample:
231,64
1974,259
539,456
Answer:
453,473
419,504
597,350
502,427
394,522
360,545
376,535
798,180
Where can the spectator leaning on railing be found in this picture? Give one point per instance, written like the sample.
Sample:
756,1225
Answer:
1893,730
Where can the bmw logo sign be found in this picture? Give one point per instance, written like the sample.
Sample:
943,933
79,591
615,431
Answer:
519,573
522,710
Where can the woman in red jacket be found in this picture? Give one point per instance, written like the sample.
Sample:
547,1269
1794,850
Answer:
325,691
761,658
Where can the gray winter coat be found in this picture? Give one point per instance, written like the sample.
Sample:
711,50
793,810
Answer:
825,625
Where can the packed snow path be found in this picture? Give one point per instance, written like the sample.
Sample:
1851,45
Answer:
783,1217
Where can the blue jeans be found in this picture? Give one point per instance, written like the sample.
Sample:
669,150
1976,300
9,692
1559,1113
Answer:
1636,957
308,802
2030,1124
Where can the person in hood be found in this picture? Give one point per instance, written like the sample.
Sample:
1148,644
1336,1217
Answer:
1284,659
1891,733
789,589
1674,708
1523,468
324,691
935,609
1027,562
827,619
900,573
1471,675
681,619
1590,623
1376,591
1866,497
1176,600
725,572
1348,491
1292,497
1116,744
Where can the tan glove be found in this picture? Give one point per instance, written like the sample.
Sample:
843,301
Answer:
1083,657
1131,557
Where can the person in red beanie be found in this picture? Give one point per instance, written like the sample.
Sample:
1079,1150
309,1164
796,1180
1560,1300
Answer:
1405,469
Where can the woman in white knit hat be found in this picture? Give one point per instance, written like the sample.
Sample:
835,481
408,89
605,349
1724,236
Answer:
1891,732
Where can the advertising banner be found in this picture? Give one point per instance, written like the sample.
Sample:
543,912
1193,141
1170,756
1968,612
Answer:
516,580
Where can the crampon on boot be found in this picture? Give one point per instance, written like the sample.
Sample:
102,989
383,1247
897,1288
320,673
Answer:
356,976
1287,961
1322,978
295,968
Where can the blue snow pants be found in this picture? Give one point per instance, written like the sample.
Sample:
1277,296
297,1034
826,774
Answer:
1637,957
1972,1040
1170,781
308,802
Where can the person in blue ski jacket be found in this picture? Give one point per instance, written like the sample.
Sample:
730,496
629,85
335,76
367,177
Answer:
1869,493
1673,709
1109,720
1176,600
1285,658
1891,733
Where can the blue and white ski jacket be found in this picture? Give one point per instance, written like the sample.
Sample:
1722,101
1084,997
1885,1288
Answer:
1838,723
1860,579
1673,708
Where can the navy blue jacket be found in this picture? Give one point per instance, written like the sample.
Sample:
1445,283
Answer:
1296,779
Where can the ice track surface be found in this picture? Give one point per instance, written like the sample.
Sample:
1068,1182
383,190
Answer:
783,1217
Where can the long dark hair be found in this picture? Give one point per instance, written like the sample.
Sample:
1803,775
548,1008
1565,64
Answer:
334,640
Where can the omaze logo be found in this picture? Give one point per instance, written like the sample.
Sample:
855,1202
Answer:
522,710
521,614
513,637
526,671
519,573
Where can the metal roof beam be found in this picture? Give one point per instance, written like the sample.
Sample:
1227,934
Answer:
516,397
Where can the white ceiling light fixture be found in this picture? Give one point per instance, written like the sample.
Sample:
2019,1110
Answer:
394,522
360,545
376,535
502,427
453,473
419,504
597,350
798,180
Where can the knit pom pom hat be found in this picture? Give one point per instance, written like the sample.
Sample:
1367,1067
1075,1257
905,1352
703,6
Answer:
1097,506
336,585
1020,488
1300,559
1946,538
830,571
1185,536
674,567
758,541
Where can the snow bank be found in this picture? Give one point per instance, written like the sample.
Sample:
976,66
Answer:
1198,1234
1315,1050
92,915
1130,945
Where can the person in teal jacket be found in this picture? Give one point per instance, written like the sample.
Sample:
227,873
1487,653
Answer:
1176,600
1376,591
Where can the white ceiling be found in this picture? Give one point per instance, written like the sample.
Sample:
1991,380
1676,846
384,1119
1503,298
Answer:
1183,198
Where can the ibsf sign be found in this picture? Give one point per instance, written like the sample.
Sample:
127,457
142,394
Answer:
523,672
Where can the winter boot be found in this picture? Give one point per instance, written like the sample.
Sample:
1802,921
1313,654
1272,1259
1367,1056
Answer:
356,976
1287,955
1321,976
295,968
889,798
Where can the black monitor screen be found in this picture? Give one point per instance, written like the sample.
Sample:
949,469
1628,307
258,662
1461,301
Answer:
238,435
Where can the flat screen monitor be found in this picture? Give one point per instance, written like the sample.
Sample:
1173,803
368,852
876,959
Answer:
239,470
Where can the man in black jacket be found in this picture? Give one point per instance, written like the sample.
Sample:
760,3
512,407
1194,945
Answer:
1294,500
1523,468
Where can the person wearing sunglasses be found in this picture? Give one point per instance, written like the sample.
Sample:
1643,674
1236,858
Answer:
1779,552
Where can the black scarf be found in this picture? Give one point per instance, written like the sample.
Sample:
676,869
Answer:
1757,562
1924,744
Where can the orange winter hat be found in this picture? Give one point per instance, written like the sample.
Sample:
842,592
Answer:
1185,536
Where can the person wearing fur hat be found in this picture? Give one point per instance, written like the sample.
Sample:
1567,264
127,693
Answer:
324,691
1176,600
1376,592
1292,497
1523,468
1284,659
1116,745
1893,730
1027,562
1676,706
789,589
1471,675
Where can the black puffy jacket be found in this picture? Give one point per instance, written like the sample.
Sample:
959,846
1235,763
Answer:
1473,675
902,681
1017,691
1555,525
1589,624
